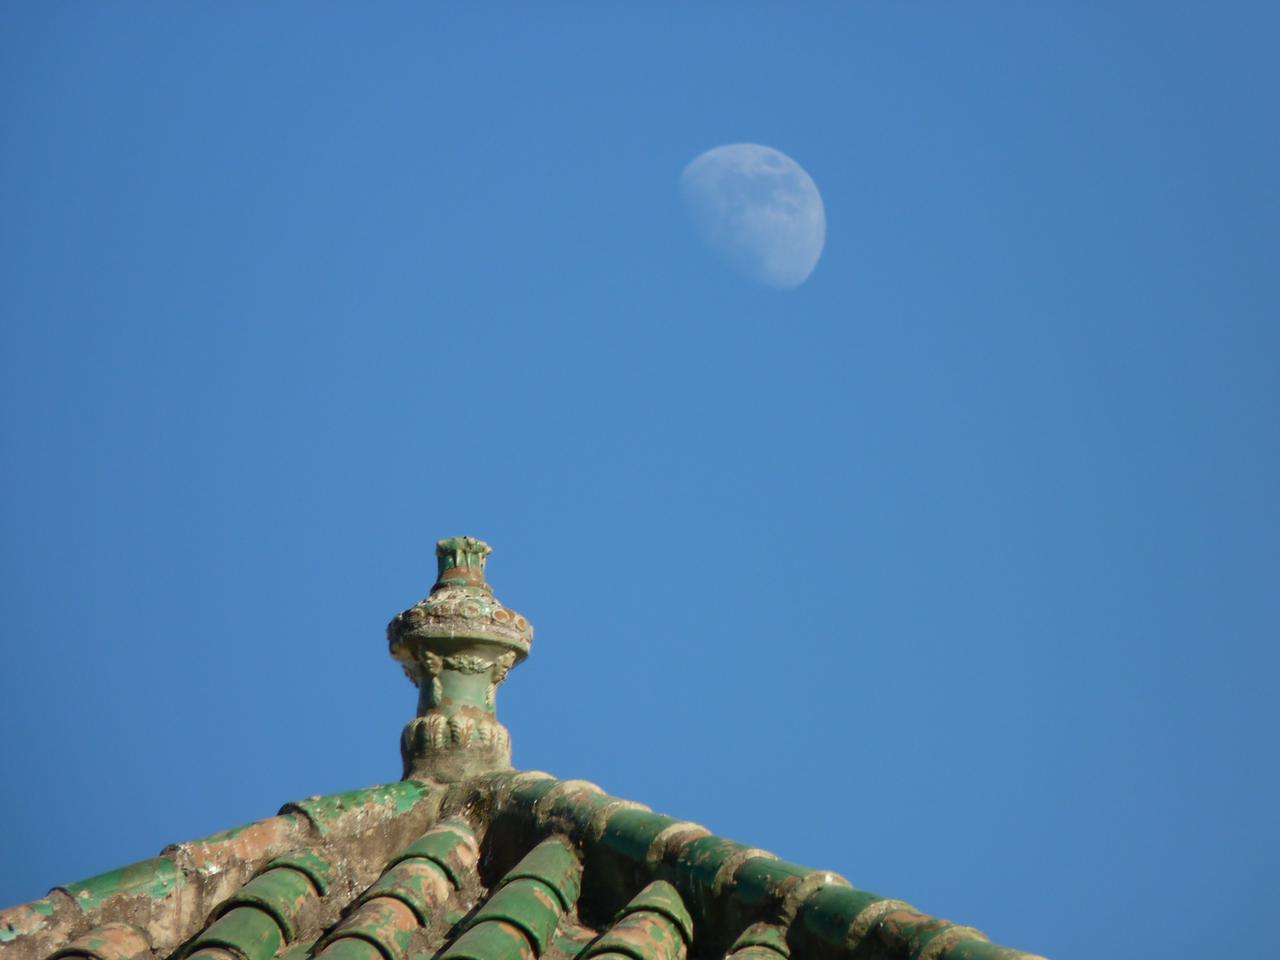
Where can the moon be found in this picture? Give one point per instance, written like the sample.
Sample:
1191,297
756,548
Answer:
757,209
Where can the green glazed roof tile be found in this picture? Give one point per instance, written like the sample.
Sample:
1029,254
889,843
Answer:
529,792
281,892
155,879
909,928
451,845
829,913
526,903
302,950
25,919
762,882
327,813
981,950
246,930
632,832
570,939
351,948
494,940
311,863
573,808
764,936
662,898
556,864
111,941
385,922
699,864
643,936
420,884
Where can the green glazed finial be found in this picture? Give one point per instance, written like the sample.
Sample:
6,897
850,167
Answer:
457,646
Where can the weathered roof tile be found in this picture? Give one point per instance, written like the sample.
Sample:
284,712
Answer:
555,864
419,883
654,925
496,940
283,892
246,931
111,941
450,845
761,941
306,860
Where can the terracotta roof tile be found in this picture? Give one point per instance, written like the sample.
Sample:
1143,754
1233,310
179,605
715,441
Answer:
467,859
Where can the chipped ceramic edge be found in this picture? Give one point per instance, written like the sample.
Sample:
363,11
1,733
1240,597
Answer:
600,819
671,840
870,916
544,805
732,864
800,890
948,938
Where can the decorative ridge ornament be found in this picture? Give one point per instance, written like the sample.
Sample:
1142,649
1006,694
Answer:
457,646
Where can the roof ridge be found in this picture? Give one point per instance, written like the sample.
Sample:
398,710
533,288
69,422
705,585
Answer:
571,855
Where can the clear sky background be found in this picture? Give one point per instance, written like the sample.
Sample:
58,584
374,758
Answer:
953,570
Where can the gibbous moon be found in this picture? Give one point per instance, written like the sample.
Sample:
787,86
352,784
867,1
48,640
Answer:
759,210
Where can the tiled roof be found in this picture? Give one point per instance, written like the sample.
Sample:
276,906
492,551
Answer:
467,859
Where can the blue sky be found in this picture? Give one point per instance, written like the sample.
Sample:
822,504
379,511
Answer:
953,570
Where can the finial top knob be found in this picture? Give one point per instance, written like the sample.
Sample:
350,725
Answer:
461,562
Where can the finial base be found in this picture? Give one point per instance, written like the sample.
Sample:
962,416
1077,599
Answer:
449,749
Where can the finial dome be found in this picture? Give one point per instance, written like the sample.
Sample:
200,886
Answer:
461,606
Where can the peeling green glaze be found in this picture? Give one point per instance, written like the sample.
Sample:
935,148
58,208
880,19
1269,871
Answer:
494,940
630,833
982,950
450,845
231,835
298,951
281,892
246,930
577,808
25,919
759,883
644,936
311,863
528,792
111,941
911,929
754,951
529,904
554,863
154,879
662,898
828,914
420,884
762,936
352,948
386,922
393,799
571,940
699,863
